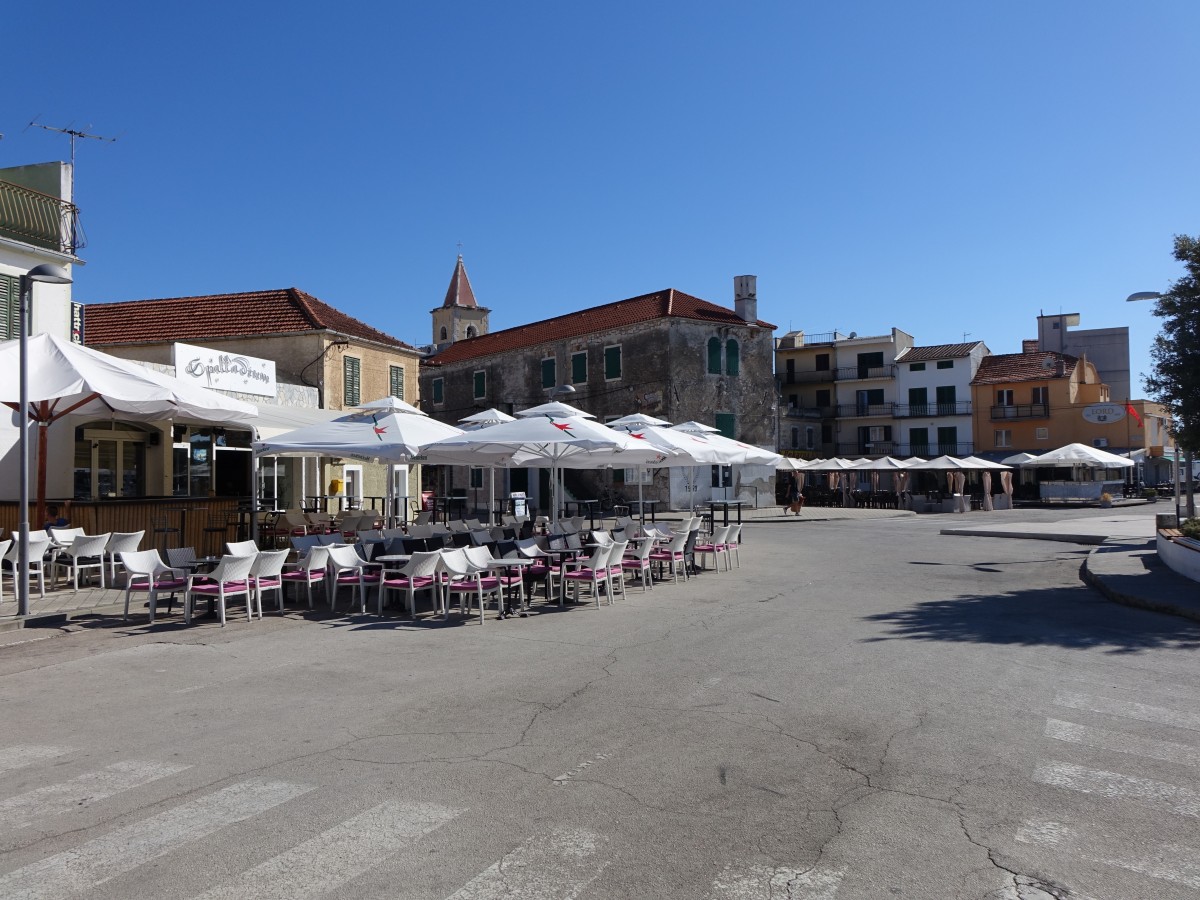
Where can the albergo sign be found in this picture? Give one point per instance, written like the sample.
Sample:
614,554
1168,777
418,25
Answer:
224,371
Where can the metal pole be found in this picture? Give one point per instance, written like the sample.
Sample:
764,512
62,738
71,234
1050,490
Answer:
1191,497
26,291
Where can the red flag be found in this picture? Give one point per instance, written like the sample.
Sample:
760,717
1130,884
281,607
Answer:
1133,412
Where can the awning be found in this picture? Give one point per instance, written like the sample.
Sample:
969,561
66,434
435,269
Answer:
275,420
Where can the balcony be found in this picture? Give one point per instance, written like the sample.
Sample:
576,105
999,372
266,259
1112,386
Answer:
811,412
865,373
1020,411
932,410
808,377
865,410
42,220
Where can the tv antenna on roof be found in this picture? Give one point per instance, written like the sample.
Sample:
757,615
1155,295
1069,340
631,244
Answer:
72,133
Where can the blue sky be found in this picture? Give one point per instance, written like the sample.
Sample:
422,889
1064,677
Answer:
945,168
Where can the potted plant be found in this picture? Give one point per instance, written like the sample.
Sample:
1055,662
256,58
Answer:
1106,500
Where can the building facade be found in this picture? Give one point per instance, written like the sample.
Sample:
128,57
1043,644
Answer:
934,413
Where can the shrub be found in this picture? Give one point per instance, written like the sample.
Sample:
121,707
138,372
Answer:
1190,528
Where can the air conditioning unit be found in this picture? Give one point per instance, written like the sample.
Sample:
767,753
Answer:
1100,442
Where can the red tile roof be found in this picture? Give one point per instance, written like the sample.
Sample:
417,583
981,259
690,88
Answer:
459,292
1038,366
622,314
936,351
282,311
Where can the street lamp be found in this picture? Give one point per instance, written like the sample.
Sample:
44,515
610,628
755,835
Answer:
1155,295
45,274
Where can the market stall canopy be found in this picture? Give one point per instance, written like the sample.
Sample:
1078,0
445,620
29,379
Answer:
883,464
942,463
1081,455
975,462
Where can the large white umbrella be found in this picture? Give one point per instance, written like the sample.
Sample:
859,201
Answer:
1018,459
387,431
66,378
474,422
729,451
553,408
546,440
1081,455
682,448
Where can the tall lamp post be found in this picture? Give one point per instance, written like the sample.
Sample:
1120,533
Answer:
1191,508
44,274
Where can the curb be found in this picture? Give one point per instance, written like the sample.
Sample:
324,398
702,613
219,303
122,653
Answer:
1097,582
1028,535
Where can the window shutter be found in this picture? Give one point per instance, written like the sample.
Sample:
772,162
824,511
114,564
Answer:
612,363
579,368
352,381
396,382
549,379
732,357
714,356
10,307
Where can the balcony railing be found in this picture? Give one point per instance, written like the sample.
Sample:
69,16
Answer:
863,373
1021,411
811,412
865,410
36,218
932,410
808,377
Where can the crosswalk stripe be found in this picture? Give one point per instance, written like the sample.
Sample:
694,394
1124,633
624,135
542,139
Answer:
1128,710
1168,862
83,790
74,872
555,866
27,754
330,859
764,883
1116,786
1103,739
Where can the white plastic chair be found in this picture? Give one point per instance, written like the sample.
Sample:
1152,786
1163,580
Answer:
616,570
241,548
673,553
593,571
118,543
461,578
639,562
85,552
308,571
347,567
145,571
715,547
231,578
267,575
420,573
39,546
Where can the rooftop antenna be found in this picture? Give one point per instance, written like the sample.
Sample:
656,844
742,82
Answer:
72,133
966,334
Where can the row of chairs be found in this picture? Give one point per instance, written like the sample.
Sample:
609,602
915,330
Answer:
51,551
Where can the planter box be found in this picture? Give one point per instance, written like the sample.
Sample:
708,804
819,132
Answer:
1181,555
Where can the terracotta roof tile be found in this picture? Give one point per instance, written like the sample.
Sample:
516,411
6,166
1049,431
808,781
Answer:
936,351
1039,366
221,315
622,314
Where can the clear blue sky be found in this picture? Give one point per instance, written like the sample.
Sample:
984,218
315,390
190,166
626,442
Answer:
939,167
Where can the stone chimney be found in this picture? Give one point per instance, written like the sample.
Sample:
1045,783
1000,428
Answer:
745,297
1029,345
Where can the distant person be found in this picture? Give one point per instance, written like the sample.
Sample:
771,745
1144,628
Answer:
795,499
54,519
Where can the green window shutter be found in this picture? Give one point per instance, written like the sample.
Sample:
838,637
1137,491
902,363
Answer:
351,381
732,357
396,382
549,376
579,368
439,390
714,356
612,363
916,367
945,364
726,423
10,308
480,385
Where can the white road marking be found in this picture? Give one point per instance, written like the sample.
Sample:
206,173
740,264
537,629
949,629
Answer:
82,790
1128,710
1168,862
1116,786
555,866
318,866
1103,739
73,873
27,754
587,764
765,883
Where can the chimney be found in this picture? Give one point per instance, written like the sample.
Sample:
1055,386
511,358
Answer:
745,297
1029,345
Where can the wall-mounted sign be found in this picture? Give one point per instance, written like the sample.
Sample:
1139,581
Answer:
1104,413
224,371
76,322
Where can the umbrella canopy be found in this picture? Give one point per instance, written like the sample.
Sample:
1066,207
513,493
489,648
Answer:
1018,459
883,464
1081,455
942,462
791,464
733,452
69,378
367,434
976,463
553,408
486,417
637,419
836,464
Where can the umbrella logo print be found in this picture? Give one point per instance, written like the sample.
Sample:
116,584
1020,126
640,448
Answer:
564,427
380,430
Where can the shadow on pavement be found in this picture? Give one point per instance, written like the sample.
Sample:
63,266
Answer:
1054,617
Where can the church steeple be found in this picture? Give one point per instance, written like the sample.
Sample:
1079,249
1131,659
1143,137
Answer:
460,316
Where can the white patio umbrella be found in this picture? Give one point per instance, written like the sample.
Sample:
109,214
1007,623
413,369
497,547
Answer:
1081,455
734,453
67,378
387,431
474,422
681,448
553,408
544,440
1018,459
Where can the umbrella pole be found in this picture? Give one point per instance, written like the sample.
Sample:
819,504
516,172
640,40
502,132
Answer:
42,428
641,505
492,495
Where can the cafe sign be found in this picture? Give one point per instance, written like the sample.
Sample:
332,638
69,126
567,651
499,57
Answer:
224,371
1103,413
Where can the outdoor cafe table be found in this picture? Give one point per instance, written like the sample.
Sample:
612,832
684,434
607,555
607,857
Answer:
507,565
724,504
447,505
641,505
583,507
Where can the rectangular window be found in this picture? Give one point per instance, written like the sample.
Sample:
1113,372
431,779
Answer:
822,362
480,385
918,400
795,438
714,356
439,390
1004,397
351,381
916,367
947,400
1041,434
612,363
396,381
918,439
579,367
810,438
824,398
476,477
733,358
826,433
945,364
1003,437
10,308
948,440
549,374
870,364
1039,395
726,423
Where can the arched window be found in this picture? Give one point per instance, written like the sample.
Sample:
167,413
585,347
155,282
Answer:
732,357
714,356
442,334
471,331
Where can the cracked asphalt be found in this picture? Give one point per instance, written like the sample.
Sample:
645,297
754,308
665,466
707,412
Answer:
865,700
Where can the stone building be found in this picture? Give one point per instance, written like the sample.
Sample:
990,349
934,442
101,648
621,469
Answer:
666,354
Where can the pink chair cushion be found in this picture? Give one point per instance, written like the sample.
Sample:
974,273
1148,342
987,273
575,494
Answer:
168,584
231,587
265,582
352,578
490,583
419,582
316,575
584,574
